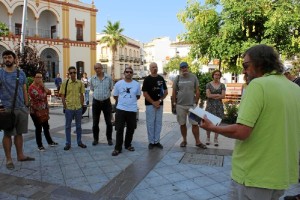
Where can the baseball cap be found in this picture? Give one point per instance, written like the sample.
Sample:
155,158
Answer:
286,70
183,64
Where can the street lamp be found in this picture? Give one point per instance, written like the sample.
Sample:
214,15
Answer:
23,27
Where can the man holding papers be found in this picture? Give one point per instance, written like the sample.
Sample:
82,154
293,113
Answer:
266,153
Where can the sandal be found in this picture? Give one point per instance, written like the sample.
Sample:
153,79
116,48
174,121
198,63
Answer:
10,165
27,158
130,148
202,146
115,153
183,144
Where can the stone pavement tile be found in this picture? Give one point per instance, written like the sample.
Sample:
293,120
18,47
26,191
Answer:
208,169
156,181
220,177
167,190
218,189
204,181
165,170
186,185
175,177
142,185
177,196
150,193
199,194
5,196
97,178
190,173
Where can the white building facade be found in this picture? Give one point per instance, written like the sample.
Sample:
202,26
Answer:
59,30
129,55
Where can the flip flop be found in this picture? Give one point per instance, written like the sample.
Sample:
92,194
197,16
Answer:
202,146
10,165
27,158
183,144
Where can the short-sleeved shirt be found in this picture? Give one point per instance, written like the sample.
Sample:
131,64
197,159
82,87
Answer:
7,88
127,93
155,87
74,90
38,98
102,88
186,87
269,157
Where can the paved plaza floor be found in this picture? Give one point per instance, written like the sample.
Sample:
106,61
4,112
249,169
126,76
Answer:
92,173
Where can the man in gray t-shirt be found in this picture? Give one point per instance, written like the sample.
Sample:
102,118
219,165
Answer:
185,96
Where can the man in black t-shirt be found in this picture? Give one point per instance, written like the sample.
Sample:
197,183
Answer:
154,90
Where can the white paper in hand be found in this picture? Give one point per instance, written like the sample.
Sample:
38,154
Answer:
197,114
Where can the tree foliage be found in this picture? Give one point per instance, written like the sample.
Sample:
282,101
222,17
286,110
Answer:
113,39
3,29
239,25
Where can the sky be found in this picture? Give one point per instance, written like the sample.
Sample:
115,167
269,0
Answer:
142,20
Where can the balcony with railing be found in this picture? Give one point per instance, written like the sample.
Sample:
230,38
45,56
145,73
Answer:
33,32
130,59
121,58
103,58
126,58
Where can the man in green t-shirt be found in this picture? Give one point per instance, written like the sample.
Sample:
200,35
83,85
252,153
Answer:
265,158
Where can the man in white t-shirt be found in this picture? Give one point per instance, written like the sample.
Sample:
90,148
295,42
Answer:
126,94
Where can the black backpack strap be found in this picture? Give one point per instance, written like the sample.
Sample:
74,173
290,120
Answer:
66,88
16,90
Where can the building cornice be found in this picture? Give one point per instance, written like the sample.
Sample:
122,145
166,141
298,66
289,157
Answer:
71,5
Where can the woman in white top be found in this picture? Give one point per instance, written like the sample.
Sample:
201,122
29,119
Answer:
87,84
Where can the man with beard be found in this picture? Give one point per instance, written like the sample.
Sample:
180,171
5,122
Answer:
154,91
8,77
266,154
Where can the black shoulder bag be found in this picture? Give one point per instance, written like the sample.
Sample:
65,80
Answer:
173,107
7,118
66,92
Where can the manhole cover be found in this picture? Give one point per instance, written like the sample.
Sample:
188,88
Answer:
202,159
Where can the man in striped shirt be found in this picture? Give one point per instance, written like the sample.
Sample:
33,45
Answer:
101,85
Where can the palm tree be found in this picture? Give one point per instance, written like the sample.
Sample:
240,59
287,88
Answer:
113,38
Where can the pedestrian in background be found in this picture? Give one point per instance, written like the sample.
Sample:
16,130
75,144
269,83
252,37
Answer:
38,101
185,96
155,91
8,77
126,93
288,75
215,92
101,85
72,91
85,80
58,81
266,130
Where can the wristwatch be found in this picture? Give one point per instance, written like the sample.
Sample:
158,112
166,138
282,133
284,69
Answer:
160,100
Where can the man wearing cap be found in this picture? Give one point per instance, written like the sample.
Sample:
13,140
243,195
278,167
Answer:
185,95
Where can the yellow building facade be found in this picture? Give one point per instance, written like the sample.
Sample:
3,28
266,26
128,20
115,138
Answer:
62,31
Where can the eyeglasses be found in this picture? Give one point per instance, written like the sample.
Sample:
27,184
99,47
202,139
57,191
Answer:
72,72
246,65
128,72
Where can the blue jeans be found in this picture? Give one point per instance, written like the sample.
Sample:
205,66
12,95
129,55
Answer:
87,97
69,115
154,123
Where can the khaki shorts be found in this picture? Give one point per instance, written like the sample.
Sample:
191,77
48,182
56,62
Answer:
21,123
238,191
182,113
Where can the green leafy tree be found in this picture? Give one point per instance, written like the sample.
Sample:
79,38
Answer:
113,39
3,29
239,25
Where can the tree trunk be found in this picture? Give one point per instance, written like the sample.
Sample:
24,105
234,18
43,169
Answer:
113,66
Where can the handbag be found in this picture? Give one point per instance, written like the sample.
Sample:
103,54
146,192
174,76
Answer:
42,115
8,118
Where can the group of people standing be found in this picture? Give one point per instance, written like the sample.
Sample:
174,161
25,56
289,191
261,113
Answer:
265,159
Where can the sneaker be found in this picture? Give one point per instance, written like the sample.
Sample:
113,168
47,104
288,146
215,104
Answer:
41,148
150,146
82,145
67,147
159,145
53,144
216,142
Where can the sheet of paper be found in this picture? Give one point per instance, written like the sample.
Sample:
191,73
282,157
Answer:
198,113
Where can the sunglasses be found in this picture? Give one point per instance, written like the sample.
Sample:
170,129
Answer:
72,72
246,64
128,72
